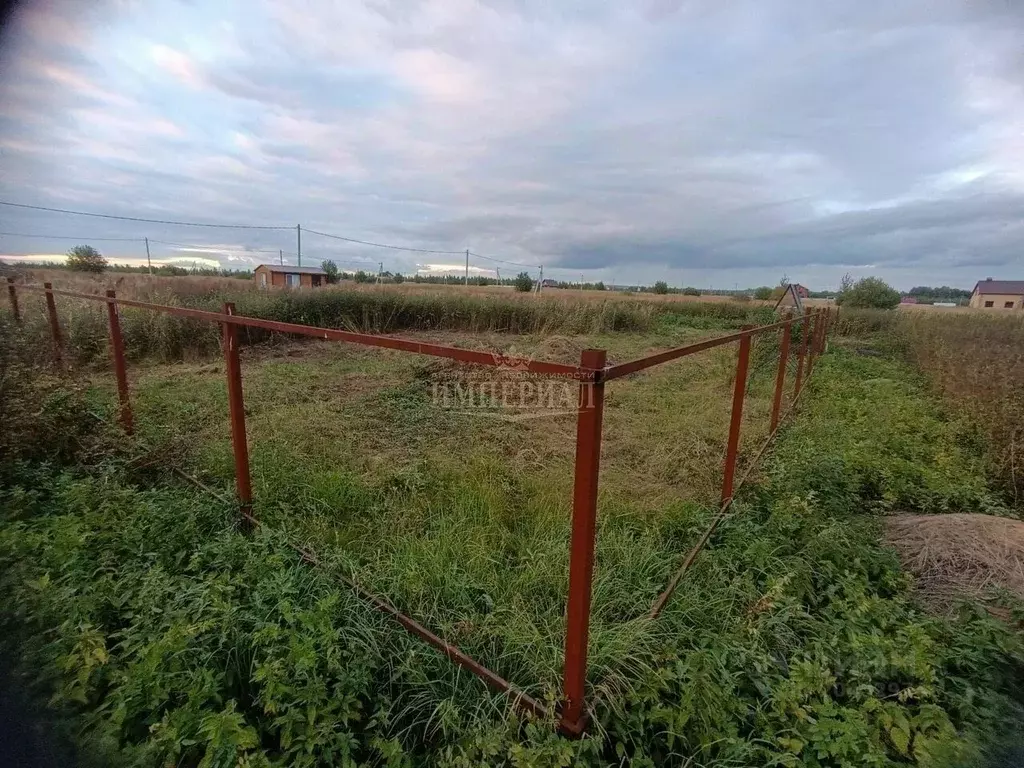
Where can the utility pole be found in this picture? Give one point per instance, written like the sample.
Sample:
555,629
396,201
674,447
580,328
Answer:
380,273
280,255
148,262
298,242
467,267
540,283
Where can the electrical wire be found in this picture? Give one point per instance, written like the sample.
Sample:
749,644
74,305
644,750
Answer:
409,249
382,245
242,250
68,237
137,218
502,261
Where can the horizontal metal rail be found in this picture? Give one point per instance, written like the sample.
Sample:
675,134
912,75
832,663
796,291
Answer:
624,369
476,357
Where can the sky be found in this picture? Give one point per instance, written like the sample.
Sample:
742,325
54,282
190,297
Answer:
706,143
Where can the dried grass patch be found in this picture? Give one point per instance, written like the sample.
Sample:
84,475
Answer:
960,556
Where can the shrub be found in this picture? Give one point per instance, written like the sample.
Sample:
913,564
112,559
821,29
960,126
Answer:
869,293
85,258
523,282
331,269
763,293
661,287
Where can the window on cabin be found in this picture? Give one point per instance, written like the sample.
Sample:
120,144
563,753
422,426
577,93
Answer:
293,280
990,303
1008,305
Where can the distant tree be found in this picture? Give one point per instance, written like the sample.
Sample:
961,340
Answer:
942,293
763,293
690,291
599,285
871,293
661,287
398,277
331,269
363,277
85,258
523,282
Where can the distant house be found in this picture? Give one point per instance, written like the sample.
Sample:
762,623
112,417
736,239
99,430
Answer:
549,283
998,294
283,276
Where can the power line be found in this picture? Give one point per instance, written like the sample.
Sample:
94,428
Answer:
68,237
221,250
502,261
136,218
382,245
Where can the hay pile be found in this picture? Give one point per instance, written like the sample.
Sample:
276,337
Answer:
959,556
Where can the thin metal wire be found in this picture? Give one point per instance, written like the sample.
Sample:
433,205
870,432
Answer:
382,245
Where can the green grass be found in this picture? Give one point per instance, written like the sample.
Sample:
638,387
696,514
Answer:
794,640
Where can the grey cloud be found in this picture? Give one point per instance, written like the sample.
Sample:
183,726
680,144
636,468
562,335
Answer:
655,135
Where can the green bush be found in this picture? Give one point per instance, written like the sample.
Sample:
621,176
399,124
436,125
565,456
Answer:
85,258
869,293
523,283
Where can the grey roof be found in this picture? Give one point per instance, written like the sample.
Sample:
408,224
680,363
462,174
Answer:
293,270
1008,287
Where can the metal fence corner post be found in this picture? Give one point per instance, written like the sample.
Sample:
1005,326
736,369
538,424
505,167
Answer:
780,376
120,371
236,406
12,294
736,420
589,418
51,311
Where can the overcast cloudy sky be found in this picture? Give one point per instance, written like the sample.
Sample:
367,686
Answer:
704,142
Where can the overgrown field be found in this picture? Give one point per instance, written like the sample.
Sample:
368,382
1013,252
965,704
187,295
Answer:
165,635
975,360
376,309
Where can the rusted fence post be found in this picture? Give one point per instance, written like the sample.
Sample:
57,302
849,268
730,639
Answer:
802,354
819,326
738,393
589,418
117,353
236,407
51,311
780,377
812,352
12,294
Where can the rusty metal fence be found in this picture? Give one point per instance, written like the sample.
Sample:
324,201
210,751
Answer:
593,374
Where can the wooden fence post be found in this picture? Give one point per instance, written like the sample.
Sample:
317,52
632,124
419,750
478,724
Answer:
589,419
738,394
117,353
12,294
236,406
51,311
